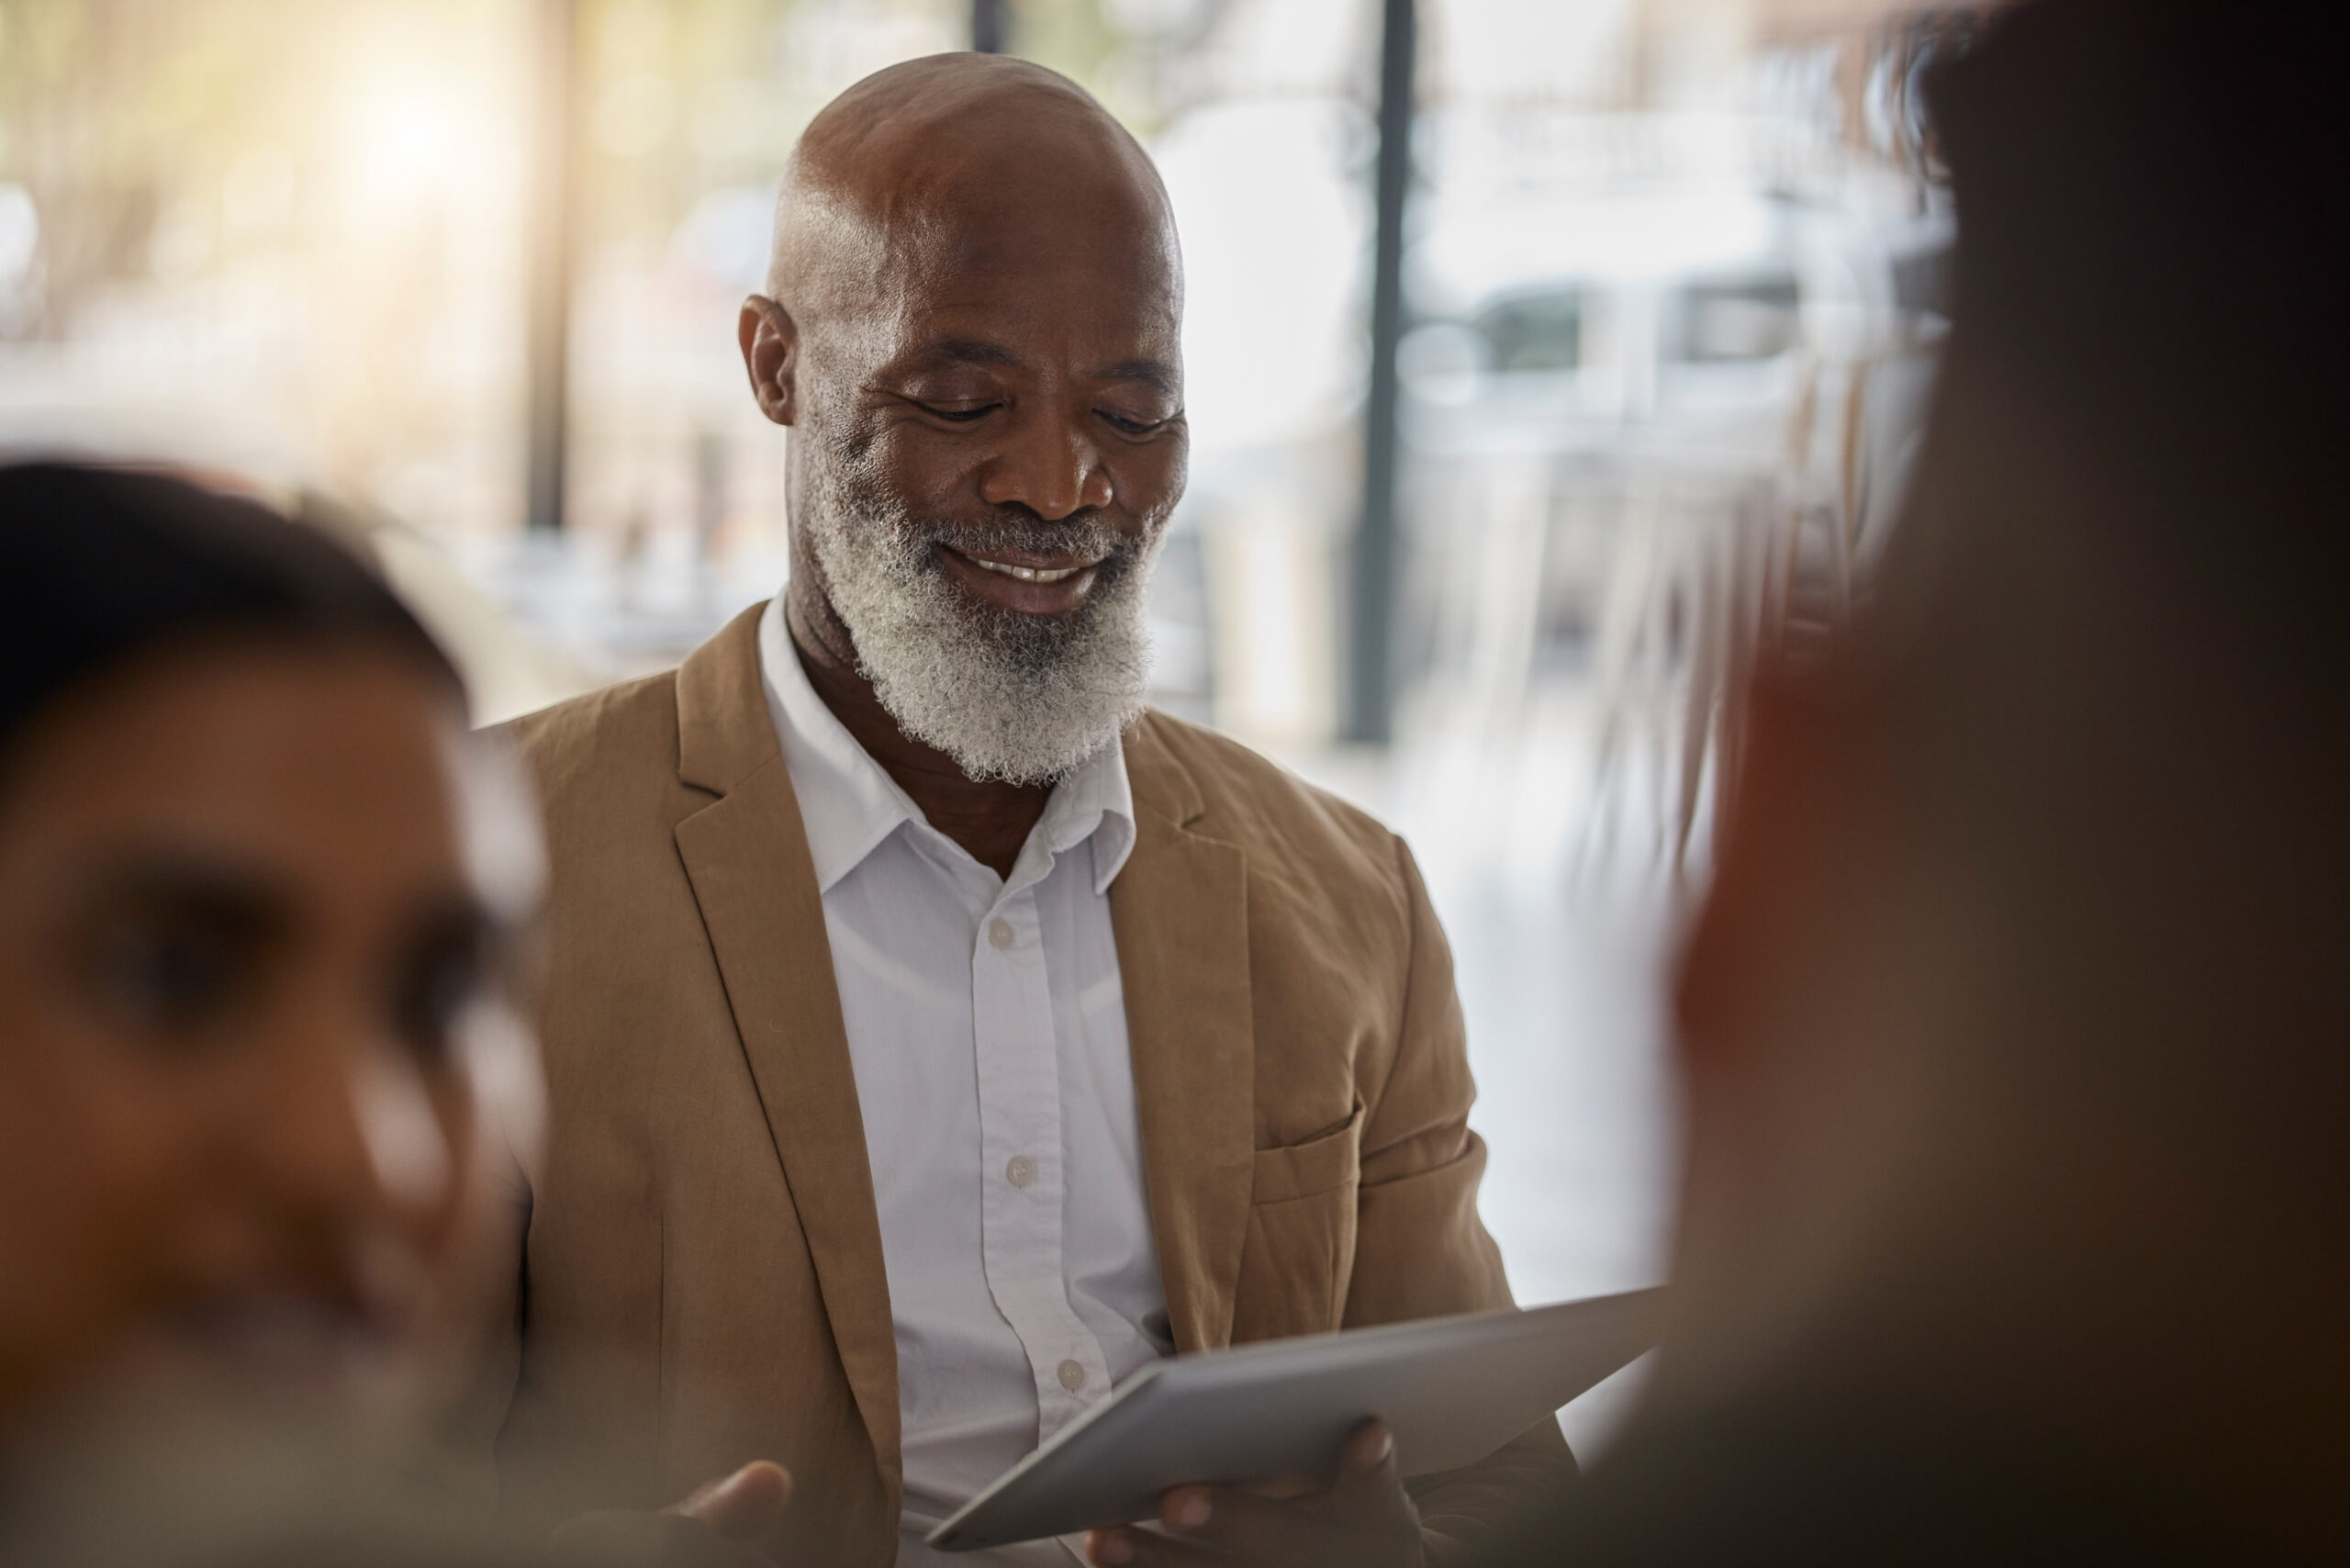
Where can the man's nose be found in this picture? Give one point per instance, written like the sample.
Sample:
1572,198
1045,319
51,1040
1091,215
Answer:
1048,464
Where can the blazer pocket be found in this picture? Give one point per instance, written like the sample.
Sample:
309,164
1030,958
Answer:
1322,1162
1299,1257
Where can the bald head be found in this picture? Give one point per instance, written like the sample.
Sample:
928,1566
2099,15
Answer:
962,160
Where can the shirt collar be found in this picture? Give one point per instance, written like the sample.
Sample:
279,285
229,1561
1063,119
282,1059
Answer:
850,803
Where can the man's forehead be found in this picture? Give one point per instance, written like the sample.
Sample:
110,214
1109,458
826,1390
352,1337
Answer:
963,228
1088,313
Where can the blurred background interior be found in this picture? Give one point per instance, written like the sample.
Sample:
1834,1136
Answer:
1546,358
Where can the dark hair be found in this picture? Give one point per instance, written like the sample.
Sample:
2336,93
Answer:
2115,598
2153,312
99,565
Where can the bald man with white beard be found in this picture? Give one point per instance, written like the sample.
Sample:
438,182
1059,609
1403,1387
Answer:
935,1035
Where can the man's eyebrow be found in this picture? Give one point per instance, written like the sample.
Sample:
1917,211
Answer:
962,350
975,351
1157,372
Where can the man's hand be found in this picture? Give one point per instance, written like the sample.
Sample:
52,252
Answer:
1364,1520
711,1528
740,1507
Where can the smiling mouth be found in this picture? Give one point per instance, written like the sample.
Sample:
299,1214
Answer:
1028,574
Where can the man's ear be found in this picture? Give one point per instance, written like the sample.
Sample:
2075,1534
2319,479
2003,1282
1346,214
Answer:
770,342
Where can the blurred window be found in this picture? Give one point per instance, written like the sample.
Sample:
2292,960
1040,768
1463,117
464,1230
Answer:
1533,332
1740,320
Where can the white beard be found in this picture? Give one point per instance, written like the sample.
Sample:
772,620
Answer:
1021,697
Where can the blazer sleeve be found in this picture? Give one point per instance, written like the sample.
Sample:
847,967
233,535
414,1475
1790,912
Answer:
1420,1249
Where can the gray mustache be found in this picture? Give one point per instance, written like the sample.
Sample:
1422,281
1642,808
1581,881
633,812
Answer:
1091,538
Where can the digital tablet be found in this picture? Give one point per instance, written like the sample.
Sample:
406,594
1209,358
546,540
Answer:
1451,1389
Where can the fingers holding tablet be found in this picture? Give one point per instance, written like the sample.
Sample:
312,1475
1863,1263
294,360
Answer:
1364,1519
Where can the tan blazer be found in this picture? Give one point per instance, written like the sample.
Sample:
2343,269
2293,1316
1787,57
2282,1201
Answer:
702,1281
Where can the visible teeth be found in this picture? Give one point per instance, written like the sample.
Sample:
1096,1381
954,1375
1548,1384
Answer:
1027,574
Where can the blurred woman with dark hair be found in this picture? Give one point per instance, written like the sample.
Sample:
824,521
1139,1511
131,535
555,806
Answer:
257,893
262,1093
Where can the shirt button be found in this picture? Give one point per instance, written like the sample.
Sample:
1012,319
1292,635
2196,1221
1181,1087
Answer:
1000,933
1019,1170
1073,1376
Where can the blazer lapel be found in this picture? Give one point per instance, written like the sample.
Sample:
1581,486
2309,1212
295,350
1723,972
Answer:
746,854
1180,908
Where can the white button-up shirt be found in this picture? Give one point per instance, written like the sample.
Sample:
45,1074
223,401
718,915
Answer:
987,1029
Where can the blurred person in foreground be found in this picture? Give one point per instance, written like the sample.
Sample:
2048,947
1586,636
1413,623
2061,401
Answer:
258,892
935,1036
2017,1027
